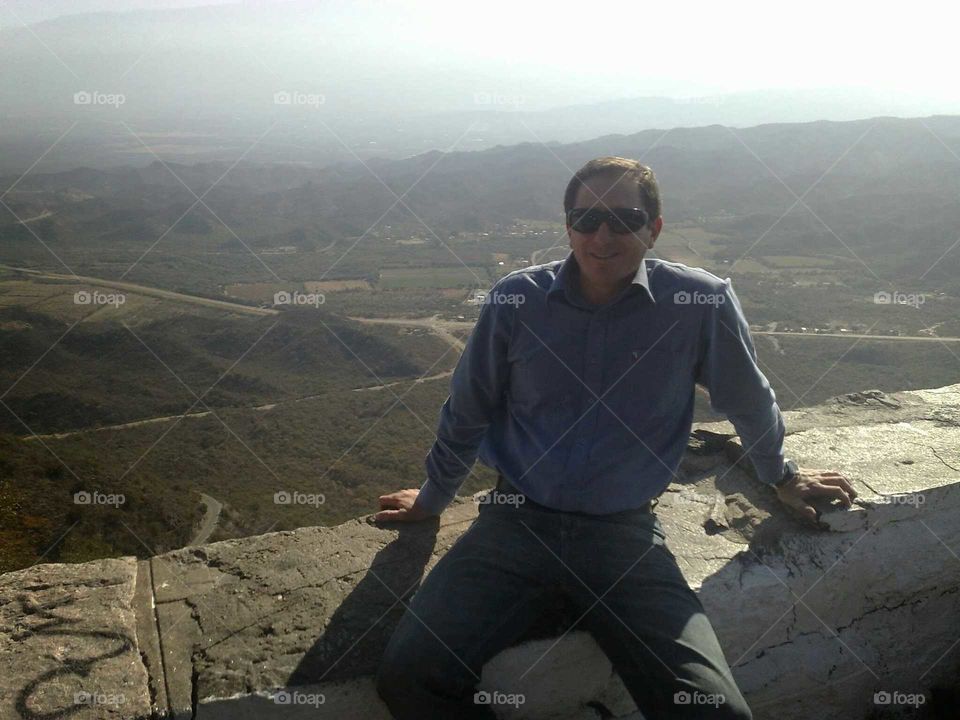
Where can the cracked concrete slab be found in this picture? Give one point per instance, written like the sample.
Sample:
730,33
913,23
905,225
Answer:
68,642
814,622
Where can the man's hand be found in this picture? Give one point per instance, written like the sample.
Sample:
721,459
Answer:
398,506
815,483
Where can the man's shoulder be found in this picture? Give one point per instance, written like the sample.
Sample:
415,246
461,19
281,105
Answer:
666,276
530,279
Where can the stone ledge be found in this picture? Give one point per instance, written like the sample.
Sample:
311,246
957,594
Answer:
813,622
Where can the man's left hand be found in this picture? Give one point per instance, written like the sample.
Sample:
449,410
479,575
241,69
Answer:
815,483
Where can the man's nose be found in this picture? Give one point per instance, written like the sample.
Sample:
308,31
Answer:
603,232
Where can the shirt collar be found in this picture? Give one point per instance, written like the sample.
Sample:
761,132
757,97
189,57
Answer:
565,281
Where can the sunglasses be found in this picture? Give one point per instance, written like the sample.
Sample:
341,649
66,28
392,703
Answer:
619,220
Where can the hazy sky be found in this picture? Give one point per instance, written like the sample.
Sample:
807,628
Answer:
675,47
708,46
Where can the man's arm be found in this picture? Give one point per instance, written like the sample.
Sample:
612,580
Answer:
728,369
738,389
476,394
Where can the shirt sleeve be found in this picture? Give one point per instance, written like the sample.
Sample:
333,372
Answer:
476,395
738,389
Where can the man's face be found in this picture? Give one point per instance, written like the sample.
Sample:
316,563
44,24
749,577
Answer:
606,259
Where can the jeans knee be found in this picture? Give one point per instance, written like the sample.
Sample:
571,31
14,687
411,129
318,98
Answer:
393,677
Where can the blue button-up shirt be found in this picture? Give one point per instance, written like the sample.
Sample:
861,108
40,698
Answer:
589,408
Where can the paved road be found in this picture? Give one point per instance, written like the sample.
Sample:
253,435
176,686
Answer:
211,516
924,338
146,290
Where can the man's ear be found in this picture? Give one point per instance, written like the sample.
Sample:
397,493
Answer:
655,229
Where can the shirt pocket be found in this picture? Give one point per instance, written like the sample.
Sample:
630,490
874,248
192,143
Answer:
540,382
651,383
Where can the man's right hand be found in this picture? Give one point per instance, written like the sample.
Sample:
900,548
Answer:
398,507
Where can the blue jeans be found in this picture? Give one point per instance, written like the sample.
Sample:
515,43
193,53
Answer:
517,560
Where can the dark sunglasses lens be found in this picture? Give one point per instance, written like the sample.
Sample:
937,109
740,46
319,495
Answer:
629,221
585,221
588,220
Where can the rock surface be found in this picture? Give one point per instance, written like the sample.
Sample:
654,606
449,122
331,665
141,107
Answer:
292,624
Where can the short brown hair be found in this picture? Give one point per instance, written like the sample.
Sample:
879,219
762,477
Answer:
645,179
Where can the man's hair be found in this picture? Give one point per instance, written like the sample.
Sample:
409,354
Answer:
649,190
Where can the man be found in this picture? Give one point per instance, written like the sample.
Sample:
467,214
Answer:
580,392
